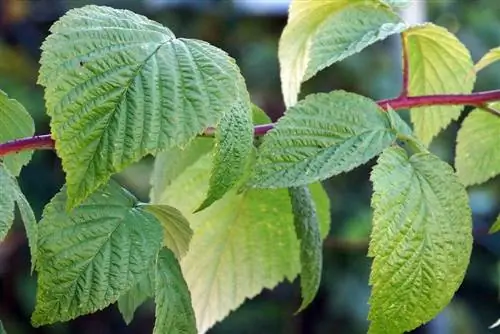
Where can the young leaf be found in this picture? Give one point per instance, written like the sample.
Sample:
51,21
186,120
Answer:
321,136
421,239
495,227
320,33
243,240
15,123
478,153
176,231
119,86
437,64
174,313
136,296
311,250
10,195
489,58
234,148
92,255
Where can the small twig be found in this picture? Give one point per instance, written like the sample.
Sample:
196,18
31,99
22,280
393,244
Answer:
490,109
406,75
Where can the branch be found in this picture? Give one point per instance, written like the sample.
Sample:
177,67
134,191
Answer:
479,100
43,142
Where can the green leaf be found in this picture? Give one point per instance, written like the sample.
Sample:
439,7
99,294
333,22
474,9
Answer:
2,330
311,251
438,63
15,123
244,240
136,296
489,58
320,33
495,227
234,147
477,156
421,239
174,313
321,136
10,195
119,86
172,163
259,116
92,255
176,231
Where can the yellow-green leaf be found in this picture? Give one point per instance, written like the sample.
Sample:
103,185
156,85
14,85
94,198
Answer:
477,156
241,244
438,63
489,58
421,239
176,231
320,33
496,226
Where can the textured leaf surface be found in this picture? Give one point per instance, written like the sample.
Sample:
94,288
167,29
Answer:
241,244
320,33
119,86
136,296
11,194
321,136
15,122
233,150
174,313
496,226
478,152
176,231
438,63
421,239
489,58
309,235
90,256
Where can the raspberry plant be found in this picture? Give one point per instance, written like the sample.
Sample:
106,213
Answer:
230,215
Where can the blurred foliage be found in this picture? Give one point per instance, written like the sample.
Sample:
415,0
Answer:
341,306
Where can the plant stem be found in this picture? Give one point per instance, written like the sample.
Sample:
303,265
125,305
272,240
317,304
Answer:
406,75
43,142
480,100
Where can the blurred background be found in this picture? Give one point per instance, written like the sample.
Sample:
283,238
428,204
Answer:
249,30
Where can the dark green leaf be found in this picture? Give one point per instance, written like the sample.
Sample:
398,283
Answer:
321,136
92,255
309,235
174,313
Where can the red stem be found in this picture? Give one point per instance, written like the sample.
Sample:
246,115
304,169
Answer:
45,142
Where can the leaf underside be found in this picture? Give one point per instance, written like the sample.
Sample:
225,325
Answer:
241,244
421,239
